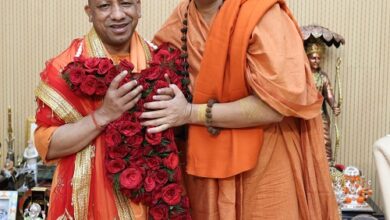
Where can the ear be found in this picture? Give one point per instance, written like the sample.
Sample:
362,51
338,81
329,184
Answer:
88,11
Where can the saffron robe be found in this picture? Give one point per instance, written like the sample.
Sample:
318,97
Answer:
289,178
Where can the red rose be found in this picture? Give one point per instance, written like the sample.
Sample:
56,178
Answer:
179,64
111,74
153,138
129,128
88,86
104,66
144,166
116,165
131,178
69,66
142,82
120,151
112,137
170,133
138,162
91,64
169,139
171,161
161,178
76,75
156,196
175,79
153,162
125,80
159,212
125,65
135,141
173,56
152,73
161,56
177,175
160,84
161,149
171,194
140,105
167,146
149,183
136,153
101,87
148,150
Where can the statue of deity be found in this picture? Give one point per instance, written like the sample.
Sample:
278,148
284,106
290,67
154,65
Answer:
31,155
315,52
315,39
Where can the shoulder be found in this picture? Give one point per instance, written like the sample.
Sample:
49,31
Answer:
277,18
170,30
67,55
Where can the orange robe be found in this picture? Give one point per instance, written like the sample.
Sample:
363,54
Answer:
80,188
289,178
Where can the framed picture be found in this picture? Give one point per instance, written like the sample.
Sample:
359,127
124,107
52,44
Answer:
30,128
8,205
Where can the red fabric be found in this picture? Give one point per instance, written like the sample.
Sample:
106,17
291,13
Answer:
65,168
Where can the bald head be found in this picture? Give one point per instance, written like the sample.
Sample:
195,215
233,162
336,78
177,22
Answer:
114,21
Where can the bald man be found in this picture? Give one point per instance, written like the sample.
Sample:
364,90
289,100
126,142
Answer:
69,127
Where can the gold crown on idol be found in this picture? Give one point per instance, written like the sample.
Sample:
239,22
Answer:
315,47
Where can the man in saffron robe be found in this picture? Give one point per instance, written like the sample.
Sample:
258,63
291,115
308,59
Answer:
69,126
268,161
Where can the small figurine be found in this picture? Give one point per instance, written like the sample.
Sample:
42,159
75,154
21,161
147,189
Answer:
355,190
34,212
7,175
31,156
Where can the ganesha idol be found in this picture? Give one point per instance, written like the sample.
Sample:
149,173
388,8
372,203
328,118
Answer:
352,190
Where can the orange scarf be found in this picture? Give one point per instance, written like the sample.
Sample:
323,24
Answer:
222,77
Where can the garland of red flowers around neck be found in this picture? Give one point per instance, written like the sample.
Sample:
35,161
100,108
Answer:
142,166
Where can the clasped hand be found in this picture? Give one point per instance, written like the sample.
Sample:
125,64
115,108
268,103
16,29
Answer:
118,99
169,109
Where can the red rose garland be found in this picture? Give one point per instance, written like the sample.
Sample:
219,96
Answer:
143,166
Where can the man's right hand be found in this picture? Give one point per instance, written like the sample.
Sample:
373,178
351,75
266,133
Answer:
73,137
118,99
